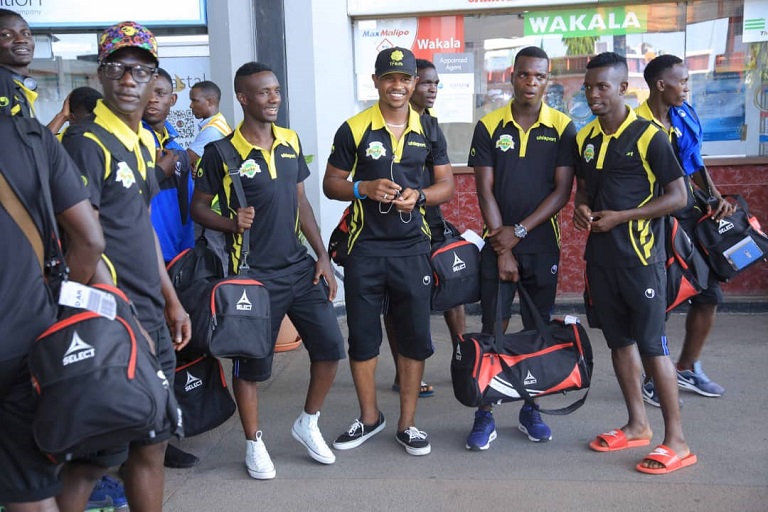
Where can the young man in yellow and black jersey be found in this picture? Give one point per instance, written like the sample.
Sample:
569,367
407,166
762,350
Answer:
272,170
666,107
384,149
17,48
628,179
116,157
522,155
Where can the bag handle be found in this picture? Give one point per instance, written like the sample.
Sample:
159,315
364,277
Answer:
229,156
541,326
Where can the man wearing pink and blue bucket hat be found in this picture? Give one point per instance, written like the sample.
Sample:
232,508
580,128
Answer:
116,157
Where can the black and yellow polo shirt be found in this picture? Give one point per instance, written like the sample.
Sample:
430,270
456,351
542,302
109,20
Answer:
365,147
524,167
16,99
625,170
24,101
121,188
270,177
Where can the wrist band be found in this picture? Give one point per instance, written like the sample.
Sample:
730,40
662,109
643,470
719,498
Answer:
356,190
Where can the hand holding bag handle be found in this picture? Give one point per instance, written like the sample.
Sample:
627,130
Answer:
545,331
234,174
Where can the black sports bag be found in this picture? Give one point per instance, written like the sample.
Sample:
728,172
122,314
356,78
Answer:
201,389
98,384
456,273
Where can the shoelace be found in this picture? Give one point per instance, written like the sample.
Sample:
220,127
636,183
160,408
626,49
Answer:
357,425
414,433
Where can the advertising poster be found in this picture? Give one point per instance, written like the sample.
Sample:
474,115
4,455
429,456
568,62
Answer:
425,37
186,72
755,21
721,107
456,92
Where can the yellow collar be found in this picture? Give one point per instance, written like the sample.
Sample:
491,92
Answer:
378,122
546,115
597,129
244,147
130,139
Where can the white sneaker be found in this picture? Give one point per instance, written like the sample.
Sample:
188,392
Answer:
306,431
257,459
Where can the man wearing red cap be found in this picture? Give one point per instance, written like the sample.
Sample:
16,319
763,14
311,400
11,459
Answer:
116,157
384,150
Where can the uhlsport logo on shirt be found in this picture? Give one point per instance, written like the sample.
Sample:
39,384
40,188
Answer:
249,168
725,225
192,382
458,264
589,153
505,143
125,175
376,150
78,351
244,304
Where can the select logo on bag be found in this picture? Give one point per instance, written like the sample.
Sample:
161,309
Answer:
724,226
458,352
78,351
458,264
244,304
192,382
529,379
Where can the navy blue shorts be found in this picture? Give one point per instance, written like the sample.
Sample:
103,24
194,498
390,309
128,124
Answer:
308,307
406,281
25,473
630,304
538,275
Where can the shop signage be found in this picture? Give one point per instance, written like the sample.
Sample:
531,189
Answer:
376,7
98,13
601,21
755,21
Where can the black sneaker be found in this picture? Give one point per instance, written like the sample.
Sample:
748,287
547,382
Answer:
178,458
414,441
359,433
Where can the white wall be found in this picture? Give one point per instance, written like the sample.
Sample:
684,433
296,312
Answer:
318,38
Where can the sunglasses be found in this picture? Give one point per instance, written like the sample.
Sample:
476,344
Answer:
117,70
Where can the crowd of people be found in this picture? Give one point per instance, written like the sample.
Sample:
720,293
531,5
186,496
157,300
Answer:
129,198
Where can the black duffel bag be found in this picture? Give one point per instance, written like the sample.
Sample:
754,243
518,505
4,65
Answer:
732,244
492,369
201,389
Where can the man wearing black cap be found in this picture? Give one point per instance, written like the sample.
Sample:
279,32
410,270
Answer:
116,157
384,149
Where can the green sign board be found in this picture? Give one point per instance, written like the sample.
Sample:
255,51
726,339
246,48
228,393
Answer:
601,21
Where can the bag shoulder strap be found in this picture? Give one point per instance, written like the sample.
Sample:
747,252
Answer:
231,158
20,216
120,152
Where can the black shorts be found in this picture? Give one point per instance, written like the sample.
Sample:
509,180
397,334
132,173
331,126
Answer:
407,282
308,307
538,275
166,355
712,295
25,473
630,304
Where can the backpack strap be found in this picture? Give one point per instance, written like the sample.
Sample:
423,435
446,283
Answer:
232,160
121,153
20,216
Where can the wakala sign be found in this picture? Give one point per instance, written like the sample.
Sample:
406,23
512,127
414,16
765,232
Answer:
587,22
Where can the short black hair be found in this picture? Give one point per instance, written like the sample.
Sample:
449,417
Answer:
84,98
163,73
248,69
608,60
7,13
531,51
658,66
209,89
424,64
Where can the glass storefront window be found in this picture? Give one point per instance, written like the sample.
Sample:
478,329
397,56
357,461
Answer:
729,84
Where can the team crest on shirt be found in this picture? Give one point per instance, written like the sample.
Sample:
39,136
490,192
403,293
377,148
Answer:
505,143
125,175
376,150
589,153
250,168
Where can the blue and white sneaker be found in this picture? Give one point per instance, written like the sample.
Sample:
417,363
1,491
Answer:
483,431
697,381
533,426
108,491
651,397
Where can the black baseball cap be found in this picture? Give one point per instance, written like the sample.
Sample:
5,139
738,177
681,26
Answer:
395,60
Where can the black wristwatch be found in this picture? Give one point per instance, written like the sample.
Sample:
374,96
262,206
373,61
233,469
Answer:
520,231
422,200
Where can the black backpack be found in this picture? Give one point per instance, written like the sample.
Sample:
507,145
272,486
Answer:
98,384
